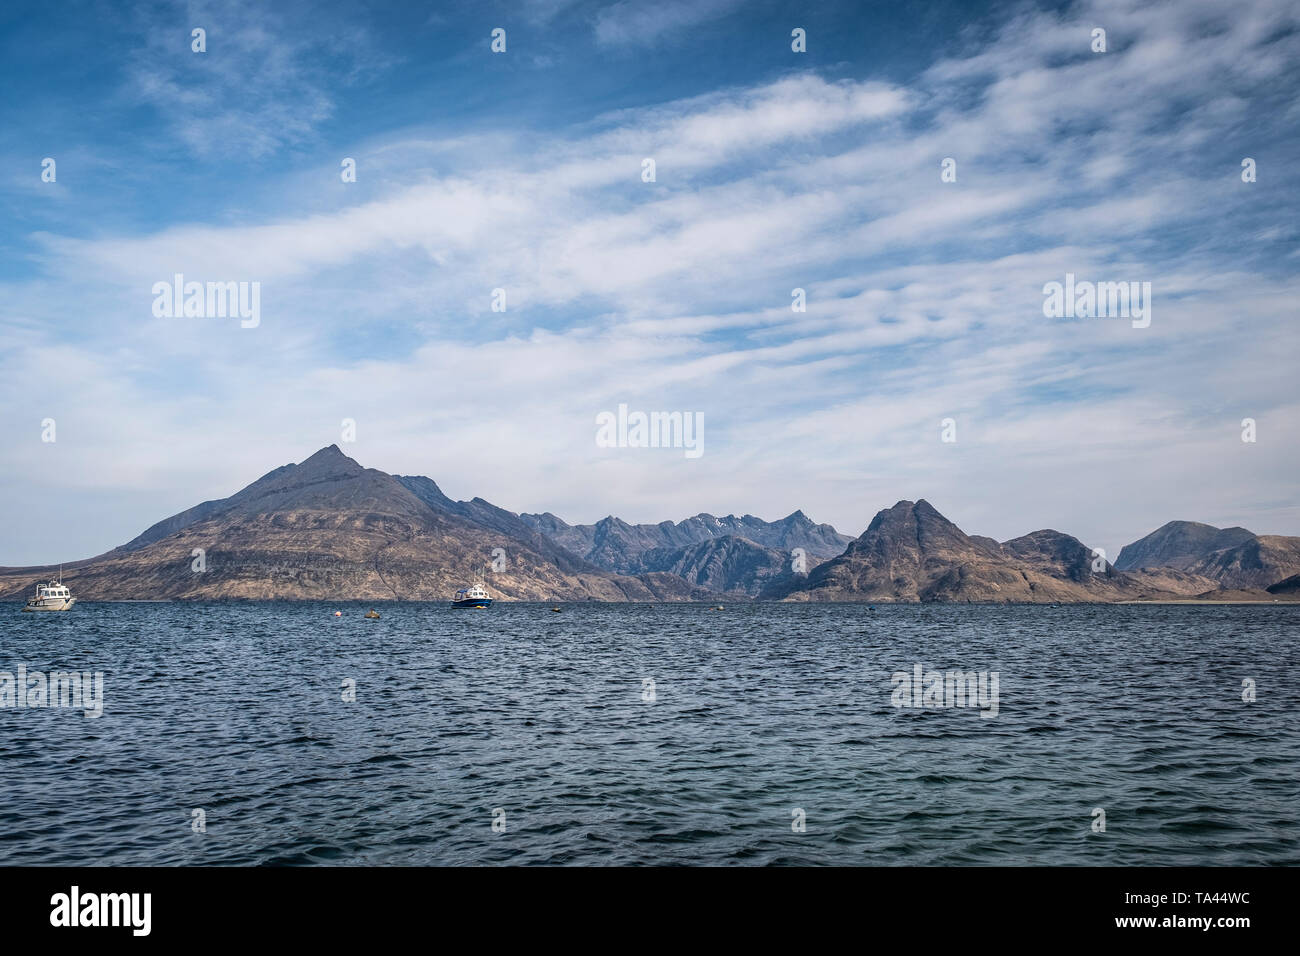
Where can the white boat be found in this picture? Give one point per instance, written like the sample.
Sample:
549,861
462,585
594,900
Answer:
473,596
54,596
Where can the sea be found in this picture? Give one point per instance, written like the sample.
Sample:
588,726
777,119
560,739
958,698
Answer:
304,734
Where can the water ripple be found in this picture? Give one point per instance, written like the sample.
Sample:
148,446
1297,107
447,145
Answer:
763,718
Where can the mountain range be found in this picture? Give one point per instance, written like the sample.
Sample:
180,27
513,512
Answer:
328,528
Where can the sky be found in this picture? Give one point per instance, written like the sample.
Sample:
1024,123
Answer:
774,170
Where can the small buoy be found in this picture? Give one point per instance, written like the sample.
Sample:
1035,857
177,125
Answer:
556,610
338,613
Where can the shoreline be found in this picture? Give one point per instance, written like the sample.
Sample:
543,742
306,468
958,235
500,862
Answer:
710,604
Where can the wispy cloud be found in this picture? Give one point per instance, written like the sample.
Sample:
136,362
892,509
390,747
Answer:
266,79
645,22
924,299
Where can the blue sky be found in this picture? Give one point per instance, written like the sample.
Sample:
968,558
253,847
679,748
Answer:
774,170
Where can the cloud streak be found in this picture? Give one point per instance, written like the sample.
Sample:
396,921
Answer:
924,301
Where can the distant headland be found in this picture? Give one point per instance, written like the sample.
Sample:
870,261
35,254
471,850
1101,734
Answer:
330,529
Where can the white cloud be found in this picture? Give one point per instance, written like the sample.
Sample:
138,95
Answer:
260,84
924,301
645,22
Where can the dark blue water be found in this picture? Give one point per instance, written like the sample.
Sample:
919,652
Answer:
759,710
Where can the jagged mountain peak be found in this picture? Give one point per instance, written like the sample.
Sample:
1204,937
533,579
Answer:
911,552
330,458
918,520
327,480
393,535
331,450
1180,544
1071,557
